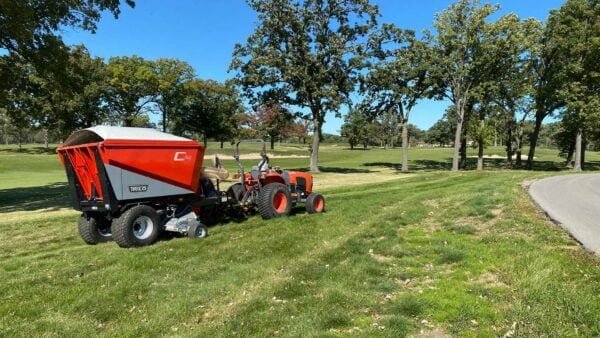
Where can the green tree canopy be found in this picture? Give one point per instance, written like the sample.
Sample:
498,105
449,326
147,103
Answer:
171,76
457,65
306,54
398,79
210,109
132,88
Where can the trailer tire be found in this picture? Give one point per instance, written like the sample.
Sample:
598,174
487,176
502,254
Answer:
94,231
315,203
274,200
138,226
198,231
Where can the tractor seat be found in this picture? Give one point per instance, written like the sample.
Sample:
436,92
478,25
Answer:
215,173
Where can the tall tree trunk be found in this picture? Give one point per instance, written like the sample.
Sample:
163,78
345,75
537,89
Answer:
272,142
539,117
510,125
458,136
404,147
577,166
570,153
480,157
351,146
222,141
463,153
45,132
584,145
164,120
205,139
314,156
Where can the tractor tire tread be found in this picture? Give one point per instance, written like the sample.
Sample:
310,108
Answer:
310,203
265,201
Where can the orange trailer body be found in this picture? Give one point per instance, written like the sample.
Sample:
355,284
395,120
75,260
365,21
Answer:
102,166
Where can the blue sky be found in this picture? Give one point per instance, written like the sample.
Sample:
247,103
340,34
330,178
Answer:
203,33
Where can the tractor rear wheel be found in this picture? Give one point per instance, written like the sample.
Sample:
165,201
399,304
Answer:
137,226
235,192
315,203
94,230
274,200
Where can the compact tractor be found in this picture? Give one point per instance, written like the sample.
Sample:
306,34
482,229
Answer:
131,184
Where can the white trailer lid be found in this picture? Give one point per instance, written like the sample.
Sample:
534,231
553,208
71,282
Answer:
102,133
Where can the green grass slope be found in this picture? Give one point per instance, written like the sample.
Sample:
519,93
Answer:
456,253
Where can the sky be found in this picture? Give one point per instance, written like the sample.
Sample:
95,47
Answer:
204,32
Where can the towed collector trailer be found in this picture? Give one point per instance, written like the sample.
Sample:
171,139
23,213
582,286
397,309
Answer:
133,183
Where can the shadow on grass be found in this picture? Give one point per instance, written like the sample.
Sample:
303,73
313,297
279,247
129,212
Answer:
53,196
488,164
29,150
337,170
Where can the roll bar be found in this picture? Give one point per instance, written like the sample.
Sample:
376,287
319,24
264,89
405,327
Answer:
237,146
236,156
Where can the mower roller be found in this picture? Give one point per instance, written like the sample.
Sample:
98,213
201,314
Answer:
131,184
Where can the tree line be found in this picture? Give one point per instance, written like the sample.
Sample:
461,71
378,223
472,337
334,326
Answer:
126,91
307,59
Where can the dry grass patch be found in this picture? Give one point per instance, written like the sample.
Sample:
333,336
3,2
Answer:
333,180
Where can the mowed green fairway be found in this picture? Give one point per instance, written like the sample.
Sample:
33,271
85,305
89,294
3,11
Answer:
435,252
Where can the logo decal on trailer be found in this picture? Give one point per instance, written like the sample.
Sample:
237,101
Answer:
181,156
138,188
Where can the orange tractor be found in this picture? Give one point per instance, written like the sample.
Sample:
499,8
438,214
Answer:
273,191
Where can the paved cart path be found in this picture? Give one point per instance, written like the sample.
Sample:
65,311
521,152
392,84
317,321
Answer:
574,202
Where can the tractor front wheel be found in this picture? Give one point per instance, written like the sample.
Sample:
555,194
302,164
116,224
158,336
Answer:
274,200
315,203
94,230
137,226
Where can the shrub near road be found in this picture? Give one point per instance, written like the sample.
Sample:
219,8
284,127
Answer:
460,254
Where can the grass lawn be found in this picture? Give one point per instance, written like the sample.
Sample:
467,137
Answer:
434,252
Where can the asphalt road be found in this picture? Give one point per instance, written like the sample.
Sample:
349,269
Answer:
574,202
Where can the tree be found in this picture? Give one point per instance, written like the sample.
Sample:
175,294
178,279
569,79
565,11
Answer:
576,28
171,75
210,108
305,54
22,99
440,133
27,26
132,87
398,80
457,63
298,128
481,132
548,78
77,97
355,128
508,86
273,120
30,29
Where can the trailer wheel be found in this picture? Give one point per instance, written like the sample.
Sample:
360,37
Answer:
94,231
137,226
197,231
274,200
315,203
